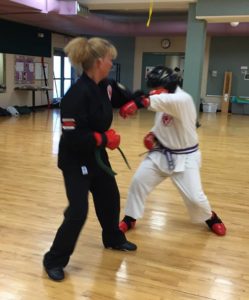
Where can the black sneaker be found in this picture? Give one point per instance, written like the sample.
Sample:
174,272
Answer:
56,273
126,246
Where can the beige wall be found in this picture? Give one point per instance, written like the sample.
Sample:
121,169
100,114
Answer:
2,68
153,44
12,97
143,44
59,41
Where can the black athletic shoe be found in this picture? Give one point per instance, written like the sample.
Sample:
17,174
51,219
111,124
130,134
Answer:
56,273
126,246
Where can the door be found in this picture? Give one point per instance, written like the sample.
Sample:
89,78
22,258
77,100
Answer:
175,61
149,61
63,75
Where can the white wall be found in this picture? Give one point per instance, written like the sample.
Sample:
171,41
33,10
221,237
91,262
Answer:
12,97
143,44
153,44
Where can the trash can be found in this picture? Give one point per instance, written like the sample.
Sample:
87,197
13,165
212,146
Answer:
209,107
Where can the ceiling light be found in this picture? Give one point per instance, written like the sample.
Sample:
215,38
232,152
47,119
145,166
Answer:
234,24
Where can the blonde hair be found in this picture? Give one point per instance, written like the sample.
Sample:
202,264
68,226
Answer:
83,52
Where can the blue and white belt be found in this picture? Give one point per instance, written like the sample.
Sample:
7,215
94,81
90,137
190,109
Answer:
168,153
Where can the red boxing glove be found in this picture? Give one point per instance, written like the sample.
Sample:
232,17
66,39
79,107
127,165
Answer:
143,102
109,139
131,107
128,109
150,141
113,139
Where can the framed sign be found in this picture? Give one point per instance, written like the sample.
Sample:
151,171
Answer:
24,70
39,72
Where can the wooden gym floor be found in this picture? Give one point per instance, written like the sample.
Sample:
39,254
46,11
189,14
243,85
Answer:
175,260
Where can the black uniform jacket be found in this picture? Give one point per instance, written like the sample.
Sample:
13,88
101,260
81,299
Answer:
85,109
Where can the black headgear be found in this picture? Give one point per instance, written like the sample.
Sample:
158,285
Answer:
162,76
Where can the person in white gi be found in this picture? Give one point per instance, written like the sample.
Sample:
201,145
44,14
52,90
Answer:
173,151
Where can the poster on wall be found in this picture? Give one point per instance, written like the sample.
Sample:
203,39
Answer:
24,70
39,72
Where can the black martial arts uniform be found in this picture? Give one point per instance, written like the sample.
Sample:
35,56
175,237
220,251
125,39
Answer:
86,108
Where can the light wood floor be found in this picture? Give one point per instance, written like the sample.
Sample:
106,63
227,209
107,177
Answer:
175,260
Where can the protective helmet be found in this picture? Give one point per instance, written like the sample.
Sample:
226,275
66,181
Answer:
164,77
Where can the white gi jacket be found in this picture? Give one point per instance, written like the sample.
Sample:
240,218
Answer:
175,127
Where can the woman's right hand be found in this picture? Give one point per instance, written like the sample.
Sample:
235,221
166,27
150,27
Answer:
110,139
113,139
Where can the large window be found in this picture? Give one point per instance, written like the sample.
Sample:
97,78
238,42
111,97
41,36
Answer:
63,75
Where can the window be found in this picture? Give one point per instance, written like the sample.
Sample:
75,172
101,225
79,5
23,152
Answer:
63,75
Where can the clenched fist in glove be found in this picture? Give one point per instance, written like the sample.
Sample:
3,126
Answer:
109,139
150,141
140,101
132,106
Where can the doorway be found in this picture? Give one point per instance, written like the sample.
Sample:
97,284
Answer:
63,75
171,60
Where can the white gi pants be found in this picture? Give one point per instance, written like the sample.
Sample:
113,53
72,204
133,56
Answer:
153,170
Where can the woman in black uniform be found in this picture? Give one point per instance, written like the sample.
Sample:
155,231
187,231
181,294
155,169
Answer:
86,117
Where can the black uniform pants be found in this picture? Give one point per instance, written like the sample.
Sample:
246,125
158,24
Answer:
107,206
